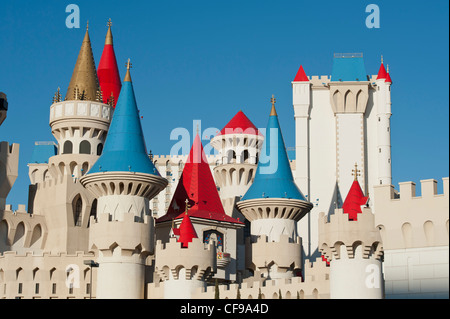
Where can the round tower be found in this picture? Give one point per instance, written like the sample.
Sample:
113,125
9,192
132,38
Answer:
352,244
383,109
123,179
274,204
185,263
80,122
238,143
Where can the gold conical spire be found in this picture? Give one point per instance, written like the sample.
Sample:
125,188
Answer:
128,75
84,75
109,37
273,112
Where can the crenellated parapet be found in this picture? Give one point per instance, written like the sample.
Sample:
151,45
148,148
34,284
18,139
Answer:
343,238
274,259
197,262
407,220
22,231
128,236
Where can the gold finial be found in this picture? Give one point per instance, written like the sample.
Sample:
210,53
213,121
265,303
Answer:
187,206
57,96
111,100
356,172
381,59
273,101
99,95
76,93
87,25
128,75
109,37
388,68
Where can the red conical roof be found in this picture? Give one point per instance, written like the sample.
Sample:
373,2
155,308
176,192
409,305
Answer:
186,231
197,185
240,124
381,72
301,75
355,198
388,76
108,72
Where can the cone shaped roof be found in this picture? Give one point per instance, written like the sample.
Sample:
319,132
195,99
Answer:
197,185
273,177
240,123
301,75
186,231
108,72
84,76
381,72
354,200
125,149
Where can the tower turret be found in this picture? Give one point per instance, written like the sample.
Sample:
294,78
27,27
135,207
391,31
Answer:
274,204
301,95
352,244
124,180
238,143
108,72
383,110
79,124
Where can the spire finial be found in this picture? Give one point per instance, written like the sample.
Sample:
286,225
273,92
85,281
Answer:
356,172
87,25
381,59
273,101
109,37
109,24
128,75
387,68
187,206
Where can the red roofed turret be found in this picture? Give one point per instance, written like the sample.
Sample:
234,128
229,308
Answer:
240,123
388,77
186,231
382,71
108,72
301,75
197,185
355,199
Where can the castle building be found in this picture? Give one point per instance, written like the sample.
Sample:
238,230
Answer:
107,219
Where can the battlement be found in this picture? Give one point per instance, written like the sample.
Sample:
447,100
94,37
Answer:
176,159
198,260
407,220
353,237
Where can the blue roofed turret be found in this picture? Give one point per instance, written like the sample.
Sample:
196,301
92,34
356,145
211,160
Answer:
125,149
273,178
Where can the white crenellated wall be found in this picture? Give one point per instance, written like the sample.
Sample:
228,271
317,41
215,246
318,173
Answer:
415,231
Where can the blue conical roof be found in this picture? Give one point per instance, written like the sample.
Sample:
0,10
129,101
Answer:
125,149
273,177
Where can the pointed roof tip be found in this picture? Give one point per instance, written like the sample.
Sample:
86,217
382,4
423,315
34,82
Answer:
84,77
388,76
128,75
109,37
273,111
301,75
382,71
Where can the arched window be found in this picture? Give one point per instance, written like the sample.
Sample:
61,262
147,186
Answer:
85,147
68,147
246,156
99,149
78,205
93,211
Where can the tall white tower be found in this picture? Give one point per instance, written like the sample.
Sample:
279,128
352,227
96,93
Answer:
383,107
123,179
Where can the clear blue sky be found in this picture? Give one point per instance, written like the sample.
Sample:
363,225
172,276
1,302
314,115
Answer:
206,60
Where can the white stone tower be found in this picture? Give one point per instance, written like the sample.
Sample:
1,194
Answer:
238,143
383,107
79,124
273,205
352,244
124,180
